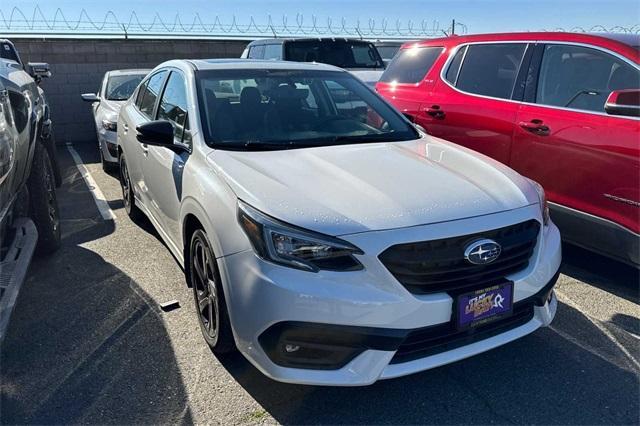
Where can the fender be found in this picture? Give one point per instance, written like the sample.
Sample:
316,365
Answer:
222,245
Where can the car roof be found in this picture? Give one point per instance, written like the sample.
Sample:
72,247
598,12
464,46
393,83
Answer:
632,40
610,40
392,43
288,39
238,64
130,71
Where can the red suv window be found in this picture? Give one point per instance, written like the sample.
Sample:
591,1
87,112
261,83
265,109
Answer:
581,78
487,69
411,65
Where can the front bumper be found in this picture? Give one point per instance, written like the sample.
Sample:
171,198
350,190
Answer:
107,141
262,296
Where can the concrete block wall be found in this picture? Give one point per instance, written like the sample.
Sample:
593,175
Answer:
78,66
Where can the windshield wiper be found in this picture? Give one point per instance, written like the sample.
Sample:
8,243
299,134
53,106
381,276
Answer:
377,137
256,145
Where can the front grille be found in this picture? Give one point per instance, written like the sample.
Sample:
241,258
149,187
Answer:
445,337
439,265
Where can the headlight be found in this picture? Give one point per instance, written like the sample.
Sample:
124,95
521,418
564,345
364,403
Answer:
542,197
294,247
110,125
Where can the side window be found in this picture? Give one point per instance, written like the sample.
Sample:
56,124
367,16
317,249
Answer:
7,51
454,67
491,69
256,52
273,51
411,65
173,105
582,78
150,93
140,94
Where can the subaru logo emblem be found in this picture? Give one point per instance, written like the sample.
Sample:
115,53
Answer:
482,252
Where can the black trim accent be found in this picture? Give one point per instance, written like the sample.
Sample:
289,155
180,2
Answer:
596,234
435,266
331,346
325,346
531,82
521,80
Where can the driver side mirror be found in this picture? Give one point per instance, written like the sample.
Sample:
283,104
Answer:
157,133
90,97
38,70
623,102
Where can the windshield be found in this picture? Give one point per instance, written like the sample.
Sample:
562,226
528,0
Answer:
340,53
120,87
283,109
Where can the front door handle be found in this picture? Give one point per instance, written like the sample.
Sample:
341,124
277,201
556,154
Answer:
535,126
435,111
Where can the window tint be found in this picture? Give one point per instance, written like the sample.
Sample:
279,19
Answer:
454,66
7,51
388,52
343,54
256,52
120,87
273,51
150,93
140,94
173,105
491,69
286,109
411,65
582,78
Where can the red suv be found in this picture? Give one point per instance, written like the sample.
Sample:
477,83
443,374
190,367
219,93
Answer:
560,108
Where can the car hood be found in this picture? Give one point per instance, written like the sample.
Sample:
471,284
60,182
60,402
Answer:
339,190
370,77
110,108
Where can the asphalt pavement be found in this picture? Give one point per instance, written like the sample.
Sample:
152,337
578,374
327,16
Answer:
88,343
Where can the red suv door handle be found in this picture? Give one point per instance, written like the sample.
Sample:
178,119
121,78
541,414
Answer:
535,126
435,112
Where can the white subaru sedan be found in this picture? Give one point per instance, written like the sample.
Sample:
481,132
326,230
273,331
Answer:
325,237
115,89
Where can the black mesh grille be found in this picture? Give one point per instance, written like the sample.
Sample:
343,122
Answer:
439,265
445,337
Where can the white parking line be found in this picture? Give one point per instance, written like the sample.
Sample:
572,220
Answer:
98,196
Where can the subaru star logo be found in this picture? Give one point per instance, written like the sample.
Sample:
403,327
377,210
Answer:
482,252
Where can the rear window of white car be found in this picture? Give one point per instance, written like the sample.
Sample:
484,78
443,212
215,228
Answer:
411,65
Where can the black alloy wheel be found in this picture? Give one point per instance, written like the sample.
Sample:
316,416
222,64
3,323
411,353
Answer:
208,295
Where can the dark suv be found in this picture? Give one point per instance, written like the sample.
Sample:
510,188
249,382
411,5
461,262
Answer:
28,174
360,57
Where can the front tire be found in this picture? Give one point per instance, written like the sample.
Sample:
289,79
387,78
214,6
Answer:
128,199
43,201
208,295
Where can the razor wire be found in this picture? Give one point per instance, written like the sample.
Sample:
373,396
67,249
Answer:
634,29
17,22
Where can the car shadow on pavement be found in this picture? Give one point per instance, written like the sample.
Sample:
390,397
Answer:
607,274
549,377
86,344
